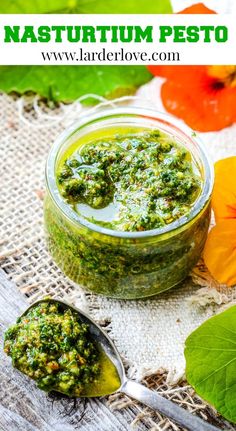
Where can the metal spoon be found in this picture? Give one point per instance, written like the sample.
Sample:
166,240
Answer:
131,388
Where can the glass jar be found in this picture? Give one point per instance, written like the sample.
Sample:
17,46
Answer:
125,264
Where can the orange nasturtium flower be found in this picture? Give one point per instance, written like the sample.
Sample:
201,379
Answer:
220,249
203,96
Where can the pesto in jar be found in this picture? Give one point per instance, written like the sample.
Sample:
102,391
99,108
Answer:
53,346
114,190
136,182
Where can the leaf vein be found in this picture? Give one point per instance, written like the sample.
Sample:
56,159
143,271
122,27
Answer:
216,371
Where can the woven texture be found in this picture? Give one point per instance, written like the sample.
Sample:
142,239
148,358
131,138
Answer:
149,333
181,394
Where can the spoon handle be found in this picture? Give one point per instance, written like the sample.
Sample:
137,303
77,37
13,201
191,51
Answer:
168,408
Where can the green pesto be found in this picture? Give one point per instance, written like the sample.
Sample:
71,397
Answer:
138,182
126,178
52,346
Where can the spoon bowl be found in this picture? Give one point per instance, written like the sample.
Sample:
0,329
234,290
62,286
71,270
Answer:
129,387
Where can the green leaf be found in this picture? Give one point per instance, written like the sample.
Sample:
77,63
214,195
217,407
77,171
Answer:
210,354
85,6
67,83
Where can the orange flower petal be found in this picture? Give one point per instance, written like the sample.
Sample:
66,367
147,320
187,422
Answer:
201,107
176,72
220,252
196,94
224,192
198,8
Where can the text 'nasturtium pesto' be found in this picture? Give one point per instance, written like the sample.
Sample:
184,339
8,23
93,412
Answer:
51,345
136,182
127,207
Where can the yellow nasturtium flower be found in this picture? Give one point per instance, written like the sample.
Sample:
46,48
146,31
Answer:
220,249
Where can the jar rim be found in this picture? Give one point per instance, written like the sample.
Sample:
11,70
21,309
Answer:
151,113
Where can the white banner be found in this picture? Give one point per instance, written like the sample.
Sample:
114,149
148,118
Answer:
117,39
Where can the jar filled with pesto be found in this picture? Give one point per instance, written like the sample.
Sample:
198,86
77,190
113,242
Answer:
127,207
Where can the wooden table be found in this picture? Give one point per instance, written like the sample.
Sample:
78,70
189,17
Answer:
23,407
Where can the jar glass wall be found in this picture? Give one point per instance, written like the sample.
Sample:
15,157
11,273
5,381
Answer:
125,264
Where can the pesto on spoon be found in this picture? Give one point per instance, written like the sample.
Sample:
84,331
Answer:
65,350
52,345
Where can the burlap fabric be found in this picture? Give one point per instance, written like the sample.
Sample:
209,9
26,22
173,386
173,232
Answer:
150,333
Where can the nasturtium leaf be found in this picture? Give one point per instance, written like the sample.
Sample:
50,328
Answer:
210,353
85,6
67,83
